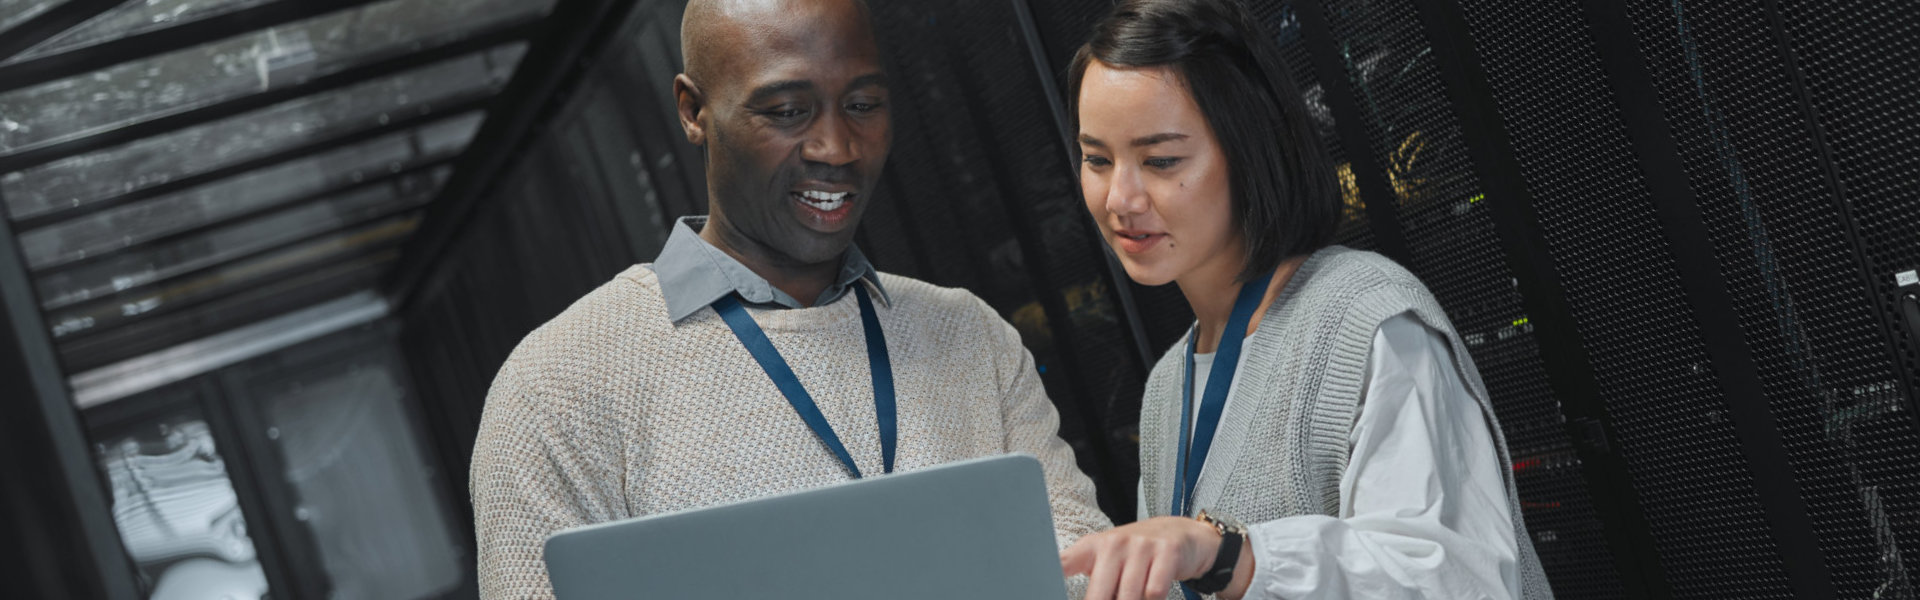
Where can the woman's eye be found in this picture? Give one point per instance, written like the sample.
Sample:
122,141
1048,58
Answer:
1162,163
1097,161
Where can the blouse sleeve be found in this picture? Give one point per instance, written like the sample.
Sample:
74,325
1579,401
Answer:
1423,503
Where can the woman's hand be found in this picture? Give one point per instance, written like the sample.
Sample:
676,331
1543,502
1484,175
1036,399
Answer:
1142,560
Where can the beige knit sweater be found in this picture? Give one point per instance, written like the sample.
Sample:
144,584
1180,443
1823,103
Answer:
610,411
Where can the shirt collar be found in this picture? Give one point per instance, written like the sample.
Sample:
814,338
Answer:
693,274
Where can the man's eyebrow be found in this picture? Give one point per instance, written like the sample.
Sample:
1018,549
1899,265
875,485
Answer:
1158,138
869,80
791,85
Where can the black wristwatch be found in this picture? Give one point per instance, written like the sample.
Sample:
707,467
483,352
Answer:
1233,535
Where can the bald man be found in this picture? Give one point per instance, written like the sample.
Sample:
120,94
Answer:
644,397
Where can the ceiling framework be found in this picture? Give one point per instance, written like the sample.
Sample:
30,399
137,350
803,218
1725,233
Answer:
176,170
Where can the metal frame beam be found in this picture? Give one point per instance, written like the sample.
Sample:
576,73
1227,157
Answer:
37,155
458,107
266,492
26,35
133,291
234,287
86,550
196,357
87,59
555,62
384,179
252,305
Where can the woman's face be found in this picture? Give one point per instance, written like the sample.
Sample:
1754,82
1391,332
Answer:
1154,176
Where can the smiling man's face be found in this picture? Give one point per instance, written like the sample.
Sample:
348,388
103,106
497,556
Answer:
790,102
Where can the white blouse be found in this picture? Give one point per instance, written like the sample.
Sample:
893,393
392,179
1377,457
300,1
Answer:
1423,504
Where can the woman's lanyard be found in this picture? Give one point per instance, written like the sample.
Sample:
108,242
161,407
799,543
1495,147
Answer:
776,367
1193,451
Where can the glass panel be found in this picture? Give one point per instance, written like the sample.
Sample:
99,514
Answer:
224,280
450,136
15,12
229,198
153,161
134,17
242,65
252,304
146,266
363,482
175,505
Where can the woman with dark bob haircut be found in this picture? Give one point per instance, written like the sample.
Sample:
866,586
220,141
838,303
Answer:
1322,398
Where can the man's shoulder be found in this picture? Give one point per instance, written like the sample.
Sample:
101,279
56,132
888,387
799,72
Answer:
616,315
927,304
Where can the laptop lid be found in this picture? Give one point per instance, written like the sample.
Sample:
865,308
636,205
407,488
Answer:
974,529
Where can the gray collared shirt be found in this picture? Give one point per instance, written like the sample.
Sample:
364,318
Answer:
693,274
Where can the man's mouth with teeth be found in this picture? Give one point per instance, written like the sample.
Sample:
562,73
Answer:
824,201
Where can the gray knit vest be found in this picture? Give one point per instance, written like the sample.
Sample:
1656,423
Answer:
1282,444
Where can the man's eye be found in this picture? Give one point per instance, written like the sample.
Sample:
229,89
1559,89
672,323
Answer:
786,113
1162,162
864,107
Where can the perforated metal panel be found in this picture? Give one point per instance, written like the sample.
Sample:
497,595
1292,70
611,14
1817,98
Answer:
1063,26
1283,24
979,194
1858,58
1413,133
1623,286
1757,170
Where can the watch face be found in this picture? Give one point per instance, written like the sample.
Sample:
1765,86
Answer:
1231,524
1222,523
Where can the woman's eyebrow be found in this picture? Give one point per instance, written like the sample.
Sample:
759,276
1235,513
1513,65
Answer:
1158,138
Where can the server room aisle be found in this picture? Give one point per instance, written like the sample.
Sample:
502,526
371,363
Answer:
263,258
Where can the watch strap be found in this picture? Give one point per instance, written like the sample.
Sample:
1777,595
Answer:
1232,537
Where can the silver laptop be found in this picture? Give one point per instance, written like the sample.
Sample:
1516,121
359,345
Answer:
974,529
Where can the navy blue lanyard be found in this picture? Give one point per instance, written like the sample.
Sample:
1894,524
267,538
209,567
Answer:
1193,451
776,367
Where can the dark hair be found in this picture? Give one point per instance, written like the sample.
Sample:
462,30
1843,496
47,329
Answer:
1285,198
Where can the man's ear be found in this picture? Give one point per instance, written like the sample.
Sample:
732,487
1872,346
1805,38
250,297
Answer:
689,103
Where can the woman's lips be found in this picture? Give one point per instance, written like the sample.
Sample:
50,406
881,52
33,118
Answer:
1136,243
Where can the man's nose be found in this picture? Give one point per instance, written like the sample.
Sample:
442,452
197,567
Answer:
831,141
